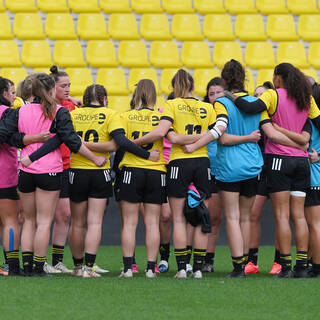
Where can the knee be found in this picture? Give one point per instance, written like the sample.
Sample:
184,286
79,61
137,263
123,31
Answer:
216,221
165,217
62,216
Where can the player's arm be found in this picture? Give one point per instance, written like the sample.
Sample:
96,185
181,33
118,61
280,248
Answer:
231,139
182,139
104,146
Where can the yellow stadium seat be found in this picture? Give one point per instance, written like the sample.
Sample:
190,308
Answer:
101,54
196,54
164,54
308,27
250,27
21,5
292,52
36,54
177,6
209,6
160,102
201,78
146,6
225,51
259,55
52,6
281,27
271,6
80,79
92,26
114,80
59,26
123,26
314,54
133,54
119,103
155,27
2,8
186,27
43,70
264,75
28,26
249,82
302,7
9,54
68,53
14,74
5,27
136,75
84,6
240,6
312,73
165,80
218,27
111,6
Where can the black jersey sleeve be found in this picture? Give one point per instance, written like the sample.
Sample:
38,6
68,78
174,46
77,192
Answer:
8,124
125,144
316,122
307,127
250,107
62,126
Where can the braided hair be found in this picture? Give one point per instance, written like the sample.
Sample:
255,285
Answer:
95,92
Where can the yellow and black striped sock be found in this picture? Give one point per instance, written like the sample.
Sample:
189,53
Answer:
57,254
238,263
209,258
38,263
181,256
302,259
285,261
13,260
189,253
246,258
199,256
27,261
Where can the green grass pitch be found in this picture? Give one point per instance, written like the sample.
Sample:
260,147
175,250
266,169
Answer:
214,297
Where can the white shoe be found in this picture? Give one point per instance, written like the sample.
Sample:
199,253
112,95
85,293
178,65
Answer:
77,271
150,274
88,272
197,275
127,274
97,269
48,268
189,268
182,274
62,268
163,266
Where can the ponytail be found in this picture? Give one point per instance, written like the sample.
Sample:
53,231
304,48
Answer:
182,84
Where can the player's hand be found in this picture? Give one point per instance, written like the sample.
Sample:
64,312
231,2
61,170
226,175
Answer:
100,161
76,101
43,136
154,155
26,161
313,156
255,136
188,148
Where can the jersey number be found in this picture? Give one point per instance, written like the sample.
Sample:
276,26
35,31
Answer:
136,134
190,128
88,134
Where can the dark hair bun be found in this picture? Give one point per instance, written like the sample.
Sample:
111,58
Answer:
54,69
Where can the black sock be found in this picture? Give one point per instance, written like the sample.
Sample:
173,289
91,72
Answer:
209,259
13,260
302,259
199,256
189,253
238,263
127,263
164,251
181,257
77,262
134,258
245,258
151,265
27,261
310,262
57,254
277,256
316,268
285,261
89,259
38,263
5,257
253,256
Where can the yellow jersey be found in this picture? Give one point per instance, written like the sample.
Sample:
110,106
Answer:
93,124
189,116
137,123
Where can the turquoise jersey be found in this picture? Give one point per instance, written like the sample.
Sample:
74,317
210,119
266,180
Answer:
315,167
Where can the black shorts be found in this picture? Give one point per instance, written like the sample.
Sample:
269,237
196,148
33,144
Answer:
28,182
89,183
213,184
9,193
312,197
246,188
141,185
182,172
286,173
64,192
262,184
